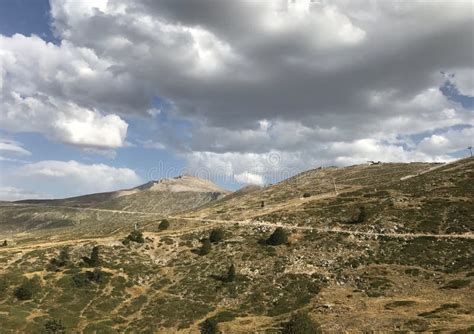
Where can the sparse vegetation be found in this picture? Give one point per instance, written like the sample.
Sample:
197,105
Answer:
301,323
83,279
164,225
216,235
456,284
399,303
28,288
205,247
94,259
4,285
358,216
62,260
209,326
134,236
230,277
162,286
278,237
53,326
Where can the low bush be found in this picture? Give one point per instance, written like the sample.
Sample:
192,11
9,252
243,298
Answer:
456,284
165,224
278,237
53,327
28,288
209,326
216,235
230,277
301,323
81,280
94,259
62,260
4,285
134,236
205,247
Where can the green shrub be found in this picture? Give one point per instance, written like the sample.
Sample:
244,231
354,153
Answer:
53,327
301,323
230,277
93,260
81,280
62,260
209,326
205,247
216,235
359,216
4,284
28,288
134,236
306,195
278,237
165,224
456,284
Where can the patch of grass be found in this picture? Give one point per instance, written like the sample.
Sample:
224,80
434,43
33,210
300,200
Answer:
399,303
435,313
456,284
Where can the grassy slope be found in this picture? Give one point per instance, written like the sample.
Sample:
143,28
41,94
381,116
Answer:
345,282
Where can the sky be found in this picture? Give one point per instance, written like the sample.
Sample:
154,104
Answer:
104,95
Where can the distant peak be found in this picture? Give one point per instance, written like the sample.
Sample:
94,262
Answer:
182,183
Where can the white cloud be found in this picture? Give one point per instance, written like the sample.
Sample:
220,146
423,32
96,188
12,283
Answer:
16,194
67,178
249,178
52,90
447,142
10,146
312,83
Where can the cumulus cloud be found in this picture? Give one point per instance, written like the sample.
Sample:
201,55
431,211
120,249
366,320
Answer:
315,82
249,178
447,142
52,89
77,178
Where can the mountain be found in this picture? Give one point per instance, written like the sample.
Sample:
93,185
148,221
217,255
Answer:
383,248
158,198
154,196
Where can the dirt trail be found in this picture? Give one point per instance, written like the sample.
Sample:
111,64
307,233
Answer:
83,209
309,228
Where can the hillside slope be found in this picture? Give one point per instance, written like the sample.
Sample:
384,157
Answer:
160,198
405,265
